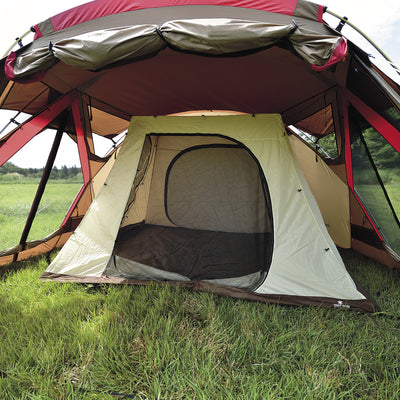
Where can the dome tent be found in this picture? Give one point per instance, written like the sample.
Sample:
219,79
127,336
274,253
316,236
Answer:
207,208
100,64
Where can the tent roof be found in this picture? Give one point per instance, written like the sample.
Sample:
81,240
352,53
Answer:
102,8
162,57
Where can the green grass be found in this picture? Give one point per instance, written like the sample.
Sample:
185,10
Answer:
71,341
15,203
377,204
394,195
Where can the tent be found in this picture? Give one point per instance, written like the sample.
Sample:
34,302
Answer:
299,154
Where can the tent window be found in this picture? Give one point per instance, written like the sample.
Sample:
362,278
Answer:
26,167
108,131
376,172
362,86
102,145
106,124
325,146
318,131
10,120
318,124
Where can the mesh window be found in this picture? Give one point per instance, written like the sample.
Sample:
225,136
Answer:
19,180
318,130
325,146
362,86
216,188
318,124
376,172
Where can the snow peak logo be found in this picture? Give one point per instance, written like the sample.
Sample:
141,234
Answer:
340,304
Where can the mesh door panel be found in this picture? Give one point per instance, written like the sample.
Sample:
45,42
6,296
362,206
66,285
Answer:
216,188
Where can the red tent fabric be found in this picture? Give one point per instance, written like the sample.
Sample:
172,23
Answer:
122,58
102,8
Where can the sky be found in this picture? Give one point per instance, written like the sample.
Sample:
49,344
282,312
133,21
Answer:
378,19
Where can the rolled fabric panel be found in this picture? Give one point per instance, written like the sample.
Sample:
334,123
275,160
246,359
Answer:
94,50
222,36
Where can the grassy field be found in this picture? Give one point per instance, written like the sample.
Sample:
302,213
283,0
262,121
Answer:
376,202
71,341
394,194
15,203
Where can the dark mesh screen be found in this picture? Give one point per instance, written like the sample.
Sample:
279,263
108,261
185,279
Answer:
376,172
217,198
195,253
216,188
362,86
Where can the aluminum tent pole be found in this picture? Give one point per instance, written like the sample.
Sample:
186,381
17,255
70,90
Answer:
43,181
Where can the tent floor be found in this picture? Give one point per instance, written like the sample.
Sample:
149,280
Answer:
196,254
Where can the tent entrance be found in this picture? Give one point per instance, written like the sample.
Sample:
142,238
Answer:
194,253
208,214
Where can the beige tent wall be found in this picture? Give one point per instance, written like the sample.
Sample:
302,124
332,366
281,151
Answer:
105,124
330,192
90,246
99,179
136,208
305,260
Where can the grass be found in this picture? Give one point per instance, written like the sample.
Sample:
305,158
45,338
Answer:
377,204
394,195
71,341
15,203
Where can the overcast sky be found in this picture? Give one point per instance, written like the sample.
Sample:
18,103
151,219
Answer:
379,19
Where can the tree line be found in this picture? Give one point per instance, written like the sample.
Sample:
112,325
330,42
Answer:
63,173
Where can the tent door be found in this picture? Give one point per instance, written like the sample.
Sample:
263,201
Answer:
216,222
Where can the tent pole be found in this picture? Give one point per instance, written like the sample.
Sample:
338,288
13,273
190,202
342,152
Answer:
345,21
30,128
43,181
81,139
82,130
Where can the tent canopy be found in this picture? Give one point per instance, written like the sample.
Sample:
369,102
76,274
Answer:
200,198
90,69
93,48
